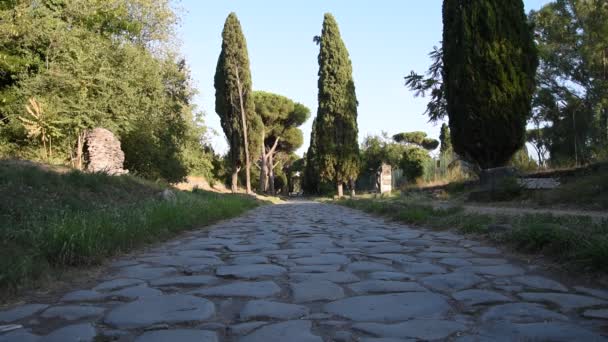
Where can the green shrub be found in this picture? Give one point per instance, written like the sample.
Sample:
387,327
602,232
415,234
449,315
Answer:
413,163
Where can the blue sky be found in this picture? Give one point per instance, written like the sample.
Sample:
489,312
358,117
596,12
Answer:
386,40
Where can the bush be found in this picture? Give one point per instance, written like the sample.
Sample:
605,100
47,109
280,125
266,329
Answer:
413,163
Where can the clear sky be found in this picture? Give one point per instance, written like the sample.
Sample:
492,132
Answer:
386,40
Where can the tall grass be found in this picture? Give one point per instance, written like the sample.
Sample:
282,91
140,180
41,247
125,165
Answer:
58,220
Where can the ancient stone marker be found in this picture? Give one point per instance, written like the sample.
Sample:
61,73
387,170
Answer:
386,180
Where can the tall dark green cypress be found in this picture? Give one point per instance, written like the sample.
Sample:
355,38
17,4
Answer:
490,62
336,122
232,70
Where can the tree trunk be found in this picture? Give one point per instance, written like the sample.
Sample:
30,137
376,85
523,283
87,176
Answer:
50,147
340,190
245,139
235,180
271,173
263,170
352,188
79,150
270,164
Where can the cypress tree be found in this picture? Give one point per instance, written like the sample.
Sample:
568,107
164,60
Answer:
490,63
336,122
234,100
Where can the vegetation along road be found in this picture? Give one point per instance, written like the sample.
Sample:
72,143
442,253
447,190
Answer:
316,272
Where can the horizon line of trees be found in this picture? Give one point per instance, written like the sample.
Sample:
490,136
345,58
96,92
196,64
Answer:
502,79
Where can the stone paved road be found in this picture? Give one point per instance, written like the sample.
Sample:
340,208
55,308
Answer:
307,272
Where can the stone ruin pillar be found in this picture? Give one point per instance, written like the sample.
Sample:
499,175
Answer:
386,179
102,152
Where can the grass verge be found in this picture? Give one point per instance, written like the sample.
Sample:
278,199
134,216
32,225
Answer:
51,220
573,241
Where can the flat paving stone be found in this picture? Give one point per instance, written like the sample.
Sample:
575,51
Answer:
422,268
20,335
84,296
367,266
440,255
144,272
334,277
315,269
390,307
387,248
565,301
389,276
450,282
487,261
252,248
183,261
250,260
428,329
446,249
73,312
601,313
292,331
404,235
325,259
197,253
592,292
398,258
543,331
521,313
383,286
178,335
135,292
250,271
170,309
117,284
316,290
386,339
245,328
497,270
456,262
477,297
21,312
540,283
198,280
256,309
486,250
258,289
72,333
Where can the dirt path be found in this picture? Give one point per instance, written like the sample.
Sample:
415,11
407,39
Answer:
311,272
